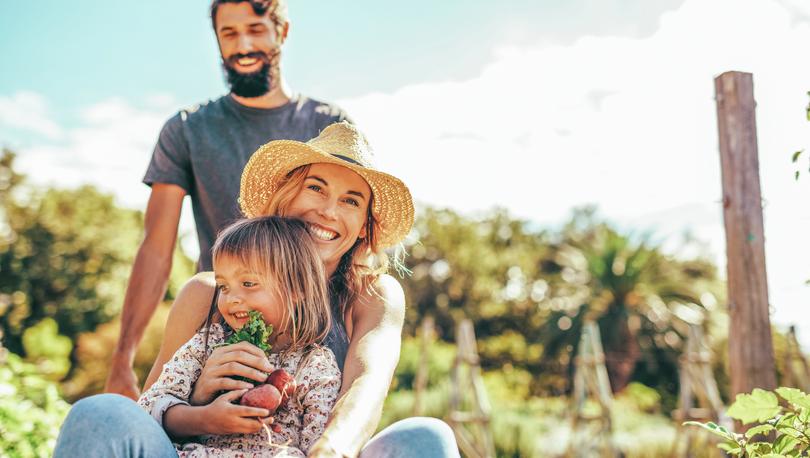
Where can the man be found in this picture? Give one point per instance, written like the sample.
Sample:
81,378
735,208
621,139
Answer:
201,153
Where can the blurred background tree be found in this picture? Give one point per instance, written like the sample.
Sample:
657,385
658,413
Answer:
65,257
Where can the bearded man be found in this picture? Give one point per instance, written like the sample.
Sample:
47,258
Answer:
201,152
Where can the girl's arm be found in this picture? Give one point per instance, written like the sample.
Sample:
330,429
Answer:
319,380
173,387
370,363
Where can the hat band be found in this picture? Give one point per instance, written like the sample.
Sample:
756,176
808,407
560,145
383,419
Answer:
348,159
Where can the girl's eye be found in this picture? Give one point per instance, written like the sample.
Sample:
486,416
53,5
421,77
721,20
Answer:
222,288
249,284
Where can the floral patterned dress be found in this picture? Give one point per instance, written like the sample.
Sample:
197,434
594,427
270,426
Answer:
300,422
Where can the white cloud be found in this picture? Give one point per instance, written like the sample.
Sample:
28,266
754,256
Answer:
28,111
626,123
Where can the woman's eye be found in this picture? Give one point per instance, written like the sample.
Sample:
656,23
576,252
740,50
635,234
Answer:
352,201
314,187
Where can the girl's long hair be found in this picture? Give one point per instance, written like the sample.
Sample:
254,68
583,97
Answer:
361,266
282,254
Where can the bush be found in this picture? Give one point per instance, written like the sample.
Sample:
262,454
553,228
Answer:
31,410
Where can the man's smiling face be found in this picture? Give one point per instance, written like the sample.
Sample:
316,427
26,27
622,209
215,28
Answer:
250,47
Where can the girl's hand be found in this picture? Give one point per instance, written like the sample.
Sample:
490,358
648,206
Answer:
224,417
241,359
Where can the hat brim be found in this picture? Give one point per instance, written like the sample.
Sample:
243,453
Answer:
392,204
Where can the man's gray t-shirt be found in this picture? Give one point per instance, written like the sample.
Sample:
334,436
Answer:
204,149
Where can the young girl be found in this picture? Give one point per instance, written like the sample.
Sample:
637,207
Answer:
268,264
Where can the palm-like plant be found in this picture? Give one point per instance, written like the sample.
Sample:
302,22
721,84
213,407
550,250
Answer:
633,291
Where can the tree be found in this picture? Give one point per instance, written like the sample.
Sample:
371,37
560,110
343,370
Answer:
64,254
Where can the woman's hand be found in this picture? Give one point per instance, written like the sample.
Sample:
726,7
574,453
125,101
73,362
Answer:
241,359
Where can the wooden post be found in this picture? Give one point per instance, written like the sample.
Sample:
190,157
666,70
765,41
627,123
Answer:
749,341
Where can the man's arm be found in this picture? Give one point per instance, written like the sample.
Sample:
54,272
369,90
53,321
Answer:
370,363
147,283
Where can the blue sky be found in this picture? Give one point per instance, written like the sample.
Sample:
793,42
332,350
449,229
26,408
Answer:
80,52
536,106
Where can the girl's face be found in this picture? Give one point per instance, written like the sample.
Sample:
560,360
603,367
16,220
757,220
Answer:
334,203
241,291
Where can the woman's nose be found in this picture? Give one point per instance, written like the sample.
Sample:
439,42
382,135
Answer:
328,209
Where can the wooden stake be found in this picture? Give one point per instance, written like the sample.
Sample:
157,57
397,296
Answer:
750,345
591,435
697,384
467,389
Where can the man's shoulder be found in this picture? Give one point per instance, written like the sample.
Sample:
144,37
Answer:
316,108
206,109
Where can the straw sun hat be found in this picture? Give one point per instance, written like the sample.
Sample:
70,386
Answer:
342,144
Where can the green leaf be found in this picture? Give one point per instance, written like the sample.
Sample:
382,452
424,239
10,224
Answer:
785,422
784,444
804,416
760,405
761,429
758,448
796,176
730,447
255,331
713,427
795,397
796,155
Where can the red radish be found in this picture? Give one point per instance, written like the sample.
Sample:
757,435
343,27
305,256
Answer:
263,396
284,383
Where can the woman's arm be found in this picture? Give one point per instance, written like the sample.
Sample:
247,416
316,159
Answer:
173,387
370,363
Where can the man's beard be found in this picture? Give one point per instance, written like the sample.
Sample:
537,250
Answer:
254,84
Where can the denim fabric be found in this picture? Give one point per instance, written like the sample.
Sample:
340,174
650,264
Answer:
416,437
109,425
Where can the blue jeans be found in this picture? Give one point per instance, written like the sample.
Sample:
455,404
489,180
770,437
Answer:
109,425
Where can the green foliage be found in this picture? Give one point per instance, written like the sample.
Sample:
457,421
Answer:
255,332
780,429
31,410
528,292
64,254
49,350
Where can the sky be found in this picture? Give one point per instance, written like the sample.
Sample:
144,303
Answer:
535,106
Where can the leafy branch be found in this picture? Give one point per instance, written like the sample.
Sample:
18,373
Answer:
787,423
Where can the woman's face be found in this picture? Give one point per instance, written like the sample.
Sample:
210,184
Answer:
334,203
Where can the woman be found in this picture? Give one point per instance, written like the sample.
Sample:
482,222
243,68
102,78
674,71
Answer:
352,212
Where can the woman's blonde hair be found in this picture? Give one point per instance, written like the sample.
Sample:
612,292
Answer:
359,267
281,252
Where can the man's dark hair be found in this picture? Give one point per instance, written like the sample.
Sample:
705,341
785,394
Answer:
276,8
